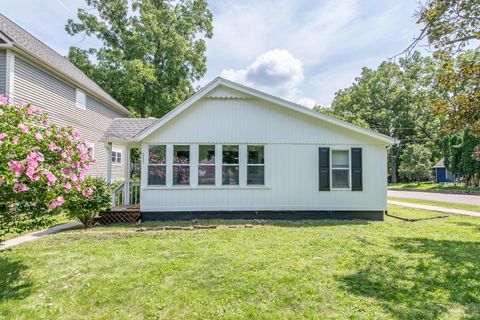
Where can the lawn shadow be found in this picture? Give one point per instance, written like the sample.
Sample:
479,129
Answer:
466,224
439,275
12,285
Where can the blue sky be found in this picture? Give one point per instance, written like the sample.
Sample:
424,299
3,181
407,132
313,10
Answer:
303,51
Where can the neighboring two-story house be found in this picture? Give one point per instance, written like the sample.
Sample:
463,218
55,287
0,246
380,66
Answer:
32,72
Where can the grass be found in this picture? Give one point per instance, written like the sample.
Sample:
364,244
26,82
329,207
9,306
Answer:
290,270
432,186
58,219
452,205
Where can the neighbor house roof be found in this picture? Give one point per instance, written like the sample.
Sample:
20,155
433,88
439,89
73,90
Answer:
125,129
23,41
439,164
264,96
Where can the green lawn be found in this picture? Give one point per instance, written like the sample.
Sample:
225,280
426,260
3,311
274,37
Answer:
311,269
452,205
432,186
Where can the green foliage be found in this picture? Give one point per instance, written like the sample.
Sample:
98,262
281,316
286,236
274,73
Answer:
450,25
415,163
151,53
393,100
283,270
85,204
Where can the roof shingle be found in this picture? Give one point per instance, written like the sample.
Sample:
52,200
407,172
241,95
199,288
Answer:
39,50
122,129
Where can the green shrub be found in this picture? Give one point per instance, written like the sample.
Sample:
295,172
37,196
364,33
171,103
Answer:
86,203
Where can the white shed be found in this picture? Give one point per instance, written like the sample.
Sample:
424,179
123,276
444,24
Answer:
231,151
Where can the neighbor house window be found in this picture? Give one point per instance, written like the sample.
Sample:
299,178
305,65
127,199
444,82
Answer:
256,165
116,157
181,165
230,165
80,99
91,149
340,169
206,165
157,165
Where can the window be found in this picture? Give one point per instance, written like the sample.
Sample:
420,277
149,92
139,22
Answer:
340,169
80,99
116,157
230,165
91,149
181,165
255,165
206,165
157,167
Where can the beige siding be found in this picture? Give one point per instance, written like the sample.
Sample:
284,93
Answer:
36,86
3,71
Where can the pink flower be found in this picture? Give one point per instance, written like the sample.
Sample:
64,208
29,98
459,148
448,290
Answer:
23,127
63,155
78,187
74,178
48,133
67,170
87,192
68,186
31,174
15,140
53,147
19,187
45,122
2,135
38,136
16,166
76,134
55,203
50,177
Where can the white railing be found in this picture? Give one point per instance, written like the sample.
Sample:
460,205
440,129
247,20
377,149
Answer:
119,196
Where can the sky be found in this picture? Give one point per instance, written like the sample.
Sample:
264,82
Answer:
301,50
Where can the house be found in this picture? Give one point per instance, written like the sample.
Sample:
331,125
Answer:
230,151
441,173
32,72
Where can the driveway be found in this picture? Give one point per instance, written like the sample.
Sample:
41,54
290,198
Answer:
456,198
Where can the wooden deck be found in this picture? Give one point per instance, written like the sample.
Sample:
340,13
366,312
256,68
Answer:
120,214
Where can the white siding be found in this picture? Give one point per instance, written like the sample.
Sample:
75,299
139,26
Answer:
291,141
3,71
55,96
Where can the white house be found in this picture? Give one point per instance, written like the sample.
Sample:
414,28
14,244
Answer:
231,151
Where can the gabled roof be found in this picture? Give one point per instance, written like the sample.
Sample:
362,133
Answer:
125,129
20,39
439,164
264,96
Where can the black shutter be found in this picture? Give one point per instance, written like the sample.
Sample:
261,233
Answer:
324,168
356,169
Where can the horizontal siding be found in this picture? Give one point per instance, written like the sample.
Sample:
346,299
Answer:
3,71
35,85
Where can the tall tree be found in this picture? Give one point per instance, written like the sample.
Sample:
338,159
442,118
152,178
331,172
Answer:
450,26
392,100
151,50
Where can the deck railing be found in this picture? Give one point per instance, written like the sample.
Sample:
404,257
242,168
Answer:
119,196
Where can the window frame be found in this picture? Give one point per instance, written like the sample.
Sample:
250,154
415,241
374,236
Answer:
349,176
256,164
80,99
238,165
181,165
157,164
214,165
117,151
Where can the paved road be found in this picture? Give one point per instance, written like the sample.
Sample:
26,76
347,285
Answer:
457,198
36,235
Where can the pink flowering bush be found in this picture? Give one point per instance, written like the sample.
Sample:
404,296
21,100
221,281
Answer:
41,166
94,197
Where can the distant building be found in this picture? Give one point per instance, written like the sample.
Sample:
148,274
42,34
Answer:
442,174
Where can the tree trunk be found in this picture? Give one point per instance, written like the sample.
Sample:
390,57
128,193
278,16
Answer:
393,165
141,110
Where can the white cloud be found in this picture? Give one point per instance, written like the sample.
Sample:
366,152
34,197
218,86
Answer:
276,71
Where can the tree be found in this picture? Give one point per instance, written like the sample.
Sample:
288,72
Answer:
449,26
151,53
415,163
41,165
392,100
